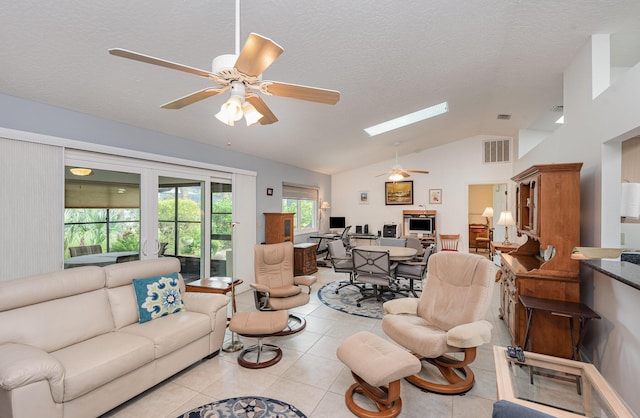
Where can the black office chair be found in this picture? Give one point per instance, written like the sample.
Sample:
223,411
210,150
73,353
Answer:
344,237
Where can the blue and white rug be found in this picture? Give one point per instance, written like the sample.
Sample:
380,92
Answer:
345,301
245,407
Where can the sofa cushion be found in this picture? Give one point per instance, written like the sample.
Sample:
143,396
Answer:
122,297
57,323
172,332
94,362
158,296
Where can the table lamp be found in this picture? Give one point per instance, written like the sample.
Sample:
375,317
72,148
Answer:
488,213
506,219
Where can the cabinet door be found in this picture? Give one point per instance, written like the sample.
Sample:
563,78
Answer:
534,196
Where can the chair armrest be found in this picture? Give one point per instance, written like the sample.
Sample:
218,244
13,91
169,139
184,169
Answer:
22,364
473,334
401,306
206,303
259,287
413,263
304,281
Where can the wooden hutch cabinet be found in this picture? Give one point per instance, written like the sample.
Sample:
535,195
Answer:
278,227
548,213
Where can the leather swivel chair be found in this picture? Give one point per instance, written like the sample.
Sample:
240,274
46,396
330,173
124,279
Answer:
276,288
447,318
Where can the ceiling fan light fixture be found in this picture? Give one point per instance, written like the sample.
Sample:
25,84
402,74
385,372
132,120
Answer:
251,115
230,111
80,171
396,177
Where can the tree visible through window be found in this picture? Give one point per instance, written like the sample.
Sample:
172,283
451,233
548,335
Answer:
304,202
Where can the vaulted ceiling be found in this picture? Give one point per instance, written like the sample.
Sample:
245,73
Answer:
485,57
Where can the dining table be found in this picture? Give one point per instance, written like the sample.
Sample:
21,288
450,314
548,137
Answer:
395,253
100,259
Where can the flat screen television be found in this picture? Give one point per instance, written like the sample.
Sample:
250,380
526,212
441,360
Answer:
337,222
422,226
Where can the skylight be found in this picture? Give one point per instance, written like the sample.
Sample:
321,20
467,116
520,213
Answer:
408,119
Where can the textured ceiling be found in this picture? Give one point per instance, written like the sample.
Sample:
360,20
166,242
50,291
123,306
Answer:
485,57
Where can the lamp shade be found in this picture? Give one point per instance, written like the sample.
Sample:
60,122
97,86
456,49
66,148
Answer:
325,205
230,111
630,200
506,218
488,212
251,115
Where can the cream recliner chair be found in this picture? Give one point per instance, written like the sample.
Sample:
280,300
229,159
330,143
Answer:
276,288
447,318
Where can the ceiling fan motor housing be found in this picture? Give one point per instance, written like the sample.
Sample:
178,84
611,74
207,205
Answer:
223,62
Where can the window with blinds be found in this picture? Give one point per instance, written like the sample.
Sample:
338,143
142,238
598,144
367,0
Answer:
303,200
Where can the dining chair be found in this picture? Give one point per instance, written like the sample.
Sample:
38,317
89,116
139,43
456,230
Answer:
449,242
375,268
413,271
342,262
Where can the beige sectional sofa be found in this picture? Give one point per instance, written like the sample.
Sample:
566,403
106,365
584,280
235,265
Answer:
71,344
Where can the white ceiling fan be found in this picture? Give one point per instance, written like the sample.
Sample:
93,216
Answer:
397,173
241,73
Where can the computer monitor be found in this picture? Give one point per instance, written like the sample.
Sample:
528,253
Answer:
421,226
337,222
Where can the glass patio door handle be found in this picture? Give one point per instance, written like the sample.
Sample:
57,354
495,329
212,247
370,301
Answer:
156,250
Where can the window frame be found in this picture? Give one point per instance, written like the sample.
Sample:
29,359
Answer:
300,194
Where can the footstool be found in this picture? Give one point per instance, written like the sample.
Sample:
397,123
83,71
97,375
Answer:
377,365
259,325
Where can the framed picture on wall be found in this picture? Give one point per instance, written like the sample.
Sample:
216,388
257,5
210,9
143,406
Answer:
364,198
435,196
398,192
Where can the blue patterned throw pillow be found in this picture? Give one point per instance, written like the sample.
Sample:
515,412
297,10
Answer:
158,296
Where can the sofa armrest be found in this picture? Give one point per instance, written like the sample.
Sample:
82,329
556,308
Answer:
22,364
304,281
473,334
401,306
205,303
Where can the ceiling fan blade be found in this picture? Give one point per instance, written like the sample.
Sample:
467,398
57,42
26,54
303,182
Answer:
404,173
160,62
267,115
192,98
312,94
383,174
418,171
257,54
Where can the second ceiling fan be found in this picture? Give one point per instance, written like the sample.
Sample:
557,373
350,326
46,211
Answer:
241,73
397,173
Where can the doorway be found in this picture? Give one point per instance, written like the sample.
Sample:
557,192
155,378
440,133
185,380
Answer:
480,198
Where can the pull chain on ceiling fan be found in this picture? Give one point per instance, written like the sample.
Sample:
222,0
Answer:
397,173
241,73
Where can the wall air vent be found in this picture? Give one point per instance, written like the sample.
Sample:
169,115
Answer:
502,116
496,151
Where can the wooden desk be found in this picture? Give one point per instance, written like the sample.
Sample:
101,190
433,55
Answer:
566,309
219,285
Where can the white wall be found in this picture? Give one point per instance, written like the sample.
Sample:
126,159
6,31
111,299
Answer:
592,133
451,168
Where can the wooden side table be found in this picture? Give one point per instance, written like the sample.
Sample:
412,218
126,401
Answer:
304,259
219,285
502,247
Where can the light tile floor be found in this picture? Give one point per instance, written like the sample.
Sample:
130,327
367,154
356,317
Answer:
309,375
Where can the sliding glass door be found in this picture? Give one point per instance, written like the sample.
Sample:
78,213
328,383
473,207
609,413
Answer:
135,209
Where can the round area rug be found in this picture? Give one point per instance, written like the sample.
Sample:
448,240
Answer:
245,407
345,301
